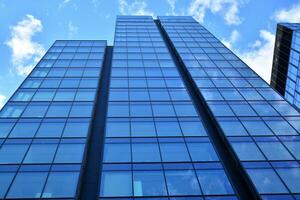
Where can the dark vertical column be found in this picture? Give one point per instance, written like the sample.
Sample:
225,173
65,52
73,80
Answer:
244,187
90,179
281,58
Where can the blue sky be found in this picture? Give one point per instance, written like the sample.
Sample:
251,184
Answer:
28,28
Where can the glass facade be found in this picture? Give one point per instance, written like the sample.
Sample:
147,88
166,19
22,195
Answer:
292,87
155,141
286,65
44,126
262,128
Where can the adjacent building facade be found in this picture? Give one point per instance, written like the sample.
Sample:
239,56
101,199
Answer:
285,72
167,112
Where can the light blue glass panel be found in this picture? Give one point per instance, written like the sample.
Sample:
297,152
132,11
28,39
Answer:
266,181
142,129
28,185
76,129
24,129
10,110
117,152
5,180
145,152
274,151
294,147
291,177
214,182
50,129
12,153
149,183
116,184
202,151
61,184
190,128
40,153
5,128
69,153
182,182
168,128
247,151
281,127
233,128
174,152
256,127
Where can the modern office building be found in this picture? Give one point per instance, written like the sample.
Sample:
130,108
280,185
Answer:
286,67
166,113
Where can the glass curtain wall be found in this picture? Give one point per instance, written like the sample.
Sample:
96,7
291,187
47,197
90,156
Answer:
262,128
44,126
155,144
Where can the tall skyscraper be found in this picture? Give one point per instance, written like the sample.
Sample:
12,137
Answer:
286,66
167,113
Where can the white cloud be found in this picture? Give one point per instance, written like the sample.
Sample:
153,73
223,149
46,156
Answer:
63,3
288,15
171,4
137,7
231,16
229,9
260,55
234,36
25,52
2,100
72,29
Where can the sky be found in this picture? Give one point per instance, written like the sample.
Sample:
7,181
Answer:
28,28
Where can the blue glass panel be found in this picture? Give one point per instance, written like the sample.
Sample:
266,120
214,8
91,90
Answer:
5,181
81,110
281,127
182,182
61,184
168,128
145,152
76,129
256,127
40,153
24,129
5,128
190,128
214,182
233,128
69,153
149,183
174,152
50,129
294,147
10,110
28,185
12,153
35,110
202,151
142,129
117,152
116,184
291,178
274,151
247,151
266,181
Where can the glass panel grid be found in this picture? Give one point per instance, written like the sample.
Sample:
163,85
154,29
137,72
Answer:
44,126
155,144
261,127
